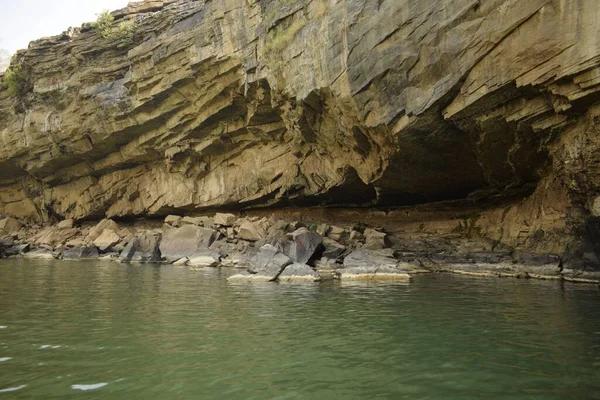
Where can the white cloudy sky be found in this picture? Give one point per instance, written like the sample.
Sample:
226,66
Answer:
22,21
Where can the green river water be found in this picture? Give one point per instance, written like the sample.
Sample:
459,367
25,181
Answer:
100,330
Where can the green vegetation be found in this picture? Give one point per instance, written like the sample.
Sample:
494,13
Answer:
16,80
282,38
123,31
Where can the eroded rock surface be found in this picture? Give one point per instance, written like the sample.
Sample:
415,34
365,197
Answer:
491,106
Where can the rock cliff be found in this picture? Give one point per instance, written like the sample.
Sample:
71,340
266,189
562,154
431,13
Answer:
464,119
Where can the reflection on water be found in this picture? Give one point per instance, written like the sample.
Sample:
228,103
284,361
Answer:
136,331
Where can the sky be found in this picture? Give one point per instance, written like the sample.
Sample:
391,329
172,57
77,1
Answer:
22,21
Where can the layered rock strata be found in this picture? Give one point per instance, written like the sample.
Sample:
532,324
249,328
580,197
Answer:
470,125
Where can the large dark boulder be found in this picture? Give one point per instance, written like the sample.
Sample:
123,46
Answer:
182,242
80,253
143,248
268,260
303,245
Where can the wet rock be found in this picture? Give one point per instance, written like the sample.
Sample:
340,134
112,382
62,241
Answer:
299,272
185,241
16,250
204,258
506,269
80,253
173,220
226,220
250,231
303,245
107,239
40,254
375,240
367,259
332,249
181,262
373,273
143,248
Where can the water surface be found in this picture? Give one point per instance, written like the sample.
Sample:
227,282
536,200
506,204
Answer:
108,331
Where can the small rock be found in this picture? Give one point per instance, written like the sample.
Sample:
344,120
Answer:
375,240
338,234
66,224
224,219
323,229
356,236
251,232
173,220
181,262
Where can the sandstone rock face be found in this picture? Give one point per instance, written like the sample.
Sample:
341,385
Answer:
229,104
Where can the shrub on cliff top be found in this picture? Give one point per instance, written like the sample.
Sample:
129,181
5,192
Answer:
122,32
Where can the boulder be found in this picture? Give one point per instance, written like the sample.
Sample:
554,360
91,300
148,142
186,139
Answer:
338,234
107,239
16,250
181,262
143,248
268,258
332,249
323,229
375,240
52,236
40,254
80,253
226,220
204,258
9,225
250,231
173,220
299,272
303,245
66,224
185,241
97,230
356,236
366,265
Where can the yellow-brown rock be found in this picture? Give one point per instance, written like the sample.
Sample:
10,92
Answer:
489,105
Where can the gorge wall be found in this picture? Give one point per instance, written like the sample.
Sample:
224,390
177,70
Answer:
435,119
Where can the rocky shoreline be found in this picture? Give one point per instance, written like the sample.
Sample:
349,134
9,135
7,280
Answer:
270,249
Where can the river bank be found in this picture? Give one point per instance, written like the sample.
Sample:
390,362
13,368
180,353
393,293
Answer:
271,249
